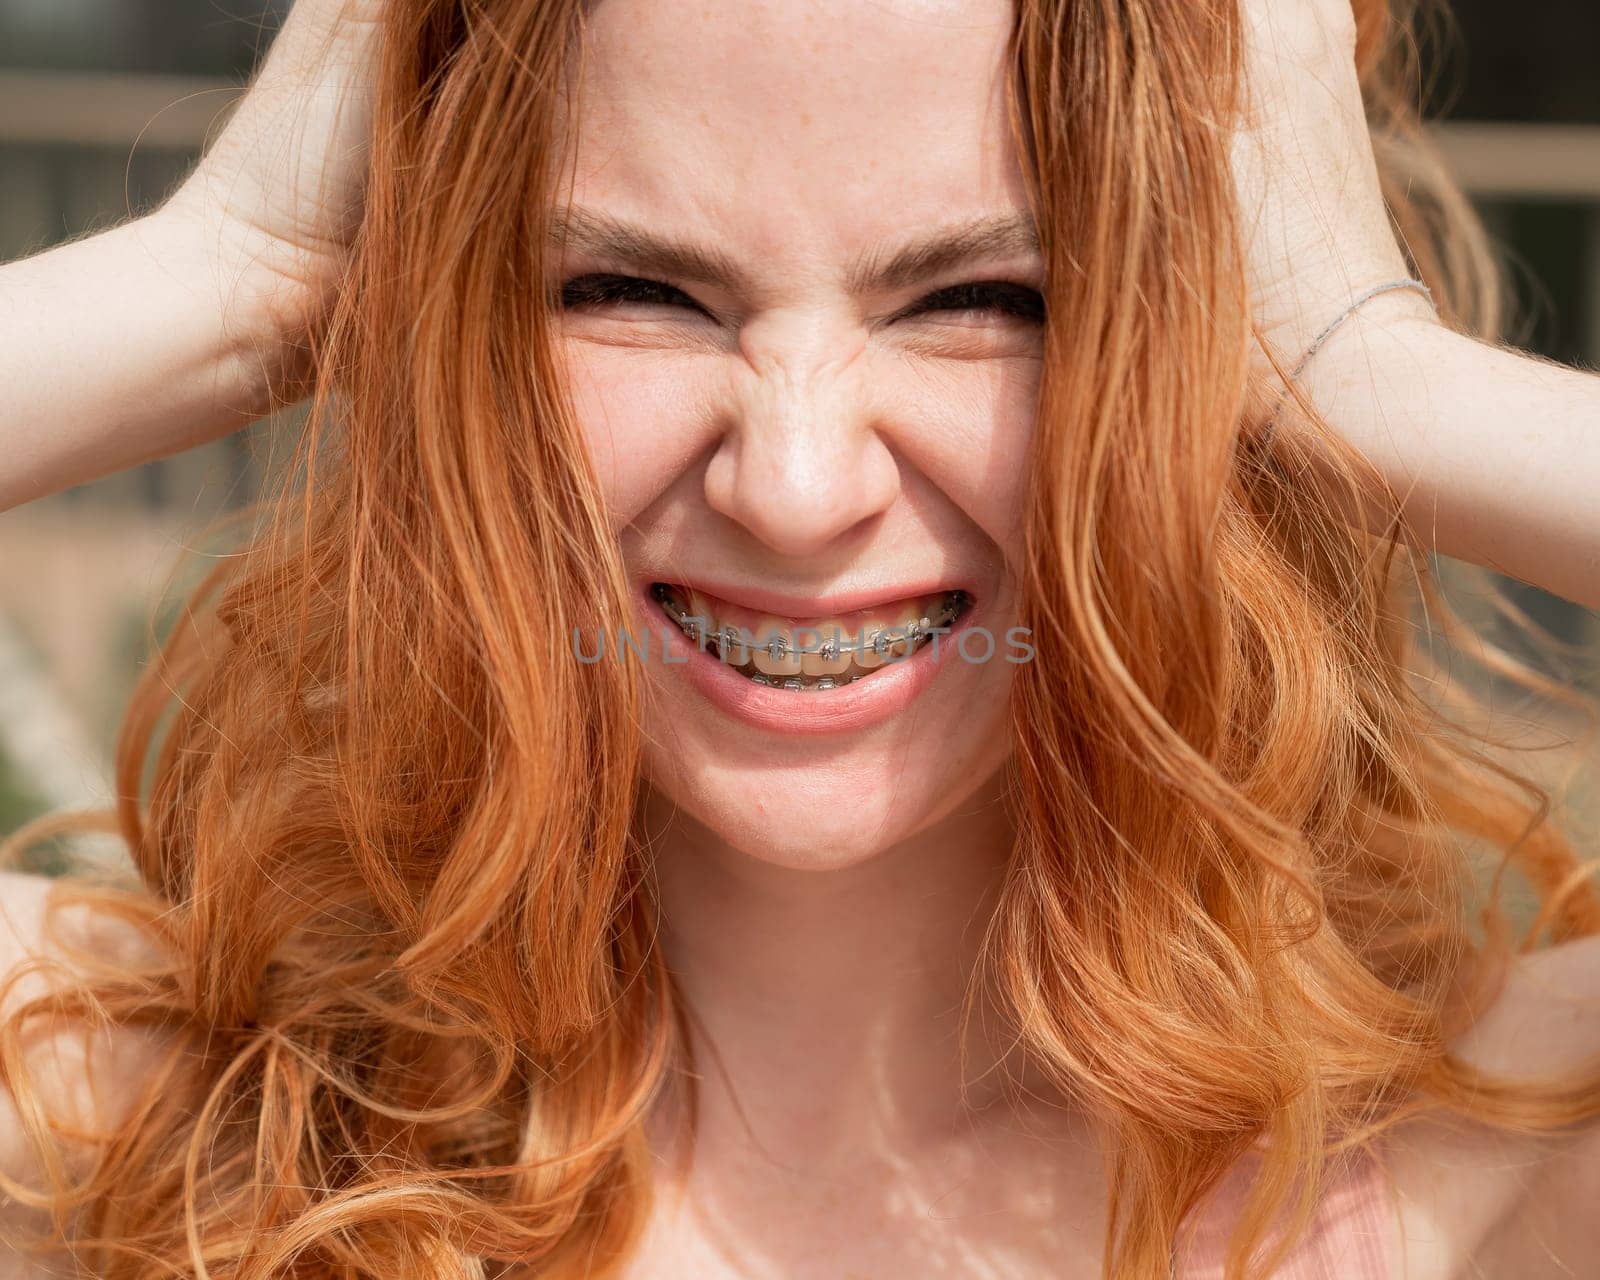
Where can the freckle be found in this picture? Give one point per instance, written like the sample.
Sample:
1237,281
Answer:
805,119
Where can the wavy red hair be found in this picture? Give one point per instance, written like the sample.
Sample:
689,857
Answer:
382,824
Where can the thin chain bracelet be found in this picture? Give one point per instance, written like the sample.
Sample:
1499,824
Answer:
1321,339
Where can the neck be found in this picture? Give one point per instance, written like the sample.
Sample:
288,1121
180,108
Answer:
826,1005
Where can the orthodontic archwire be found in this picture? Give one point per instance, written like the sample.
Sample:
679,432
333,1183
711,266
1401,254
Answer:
778,647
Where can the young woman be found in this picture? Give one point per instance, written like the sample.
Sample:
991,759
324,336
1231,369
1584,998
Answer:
1126,934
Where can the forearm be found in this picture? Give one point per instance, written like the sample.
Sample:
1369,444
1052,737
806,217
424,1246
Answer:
1495,453
127,346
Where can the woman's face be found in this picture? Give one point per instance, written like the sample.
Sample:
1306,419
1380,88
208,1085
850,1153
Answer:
804,336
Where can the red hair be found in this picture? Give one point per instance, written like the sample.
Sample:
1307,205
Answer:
382,822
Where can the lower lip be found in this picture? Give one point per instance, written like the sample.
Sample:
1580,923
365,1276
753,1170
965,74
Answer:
857,705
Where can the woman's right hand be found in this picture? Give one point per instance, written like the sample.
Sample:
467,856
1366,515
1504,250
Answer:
280,189
181,326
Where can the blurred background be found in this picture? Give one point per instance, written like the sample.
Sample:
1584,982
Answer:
105,103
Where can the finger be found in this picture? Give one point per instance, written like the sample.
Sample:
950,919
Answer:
291,160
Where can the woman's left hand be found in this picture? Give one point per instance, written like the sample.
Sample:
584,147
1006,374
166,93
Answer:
1494,454
1316,231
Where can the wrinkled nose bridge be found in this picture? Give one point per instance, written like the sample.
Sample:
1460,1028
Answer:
794,359
802,461
805,391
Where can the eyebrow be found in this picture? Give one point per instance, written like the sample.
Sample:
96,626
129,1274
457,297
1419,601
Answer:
990,236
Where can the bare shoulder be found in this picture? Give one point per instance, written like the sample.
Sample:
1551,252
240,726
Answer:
1547,1018
1472,1201
83,1076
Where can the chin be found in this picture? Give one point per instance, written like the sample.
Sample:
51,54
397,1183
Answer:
828,813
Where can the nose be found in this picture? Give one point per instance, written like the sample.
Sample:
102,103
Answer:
802,460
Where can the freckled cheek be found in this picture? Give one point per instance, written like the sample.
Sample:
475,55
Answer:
970,432
645,422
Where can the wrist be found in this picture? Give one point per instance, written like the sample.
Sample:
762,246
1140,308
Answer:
256,289
1384,343
1373,380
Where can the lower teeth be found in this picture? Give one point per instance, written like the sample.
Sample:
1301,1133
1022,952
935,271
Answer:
797,683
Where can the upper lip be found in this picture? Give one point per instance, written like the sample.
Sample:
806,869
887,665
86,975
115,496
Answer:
788,604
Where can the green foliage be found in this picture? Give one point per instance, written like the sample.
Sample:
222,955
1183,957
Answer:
17,803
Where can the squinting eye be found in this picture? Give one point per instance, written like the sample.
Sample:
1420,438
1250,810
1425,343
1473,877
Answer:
1014,300
599,288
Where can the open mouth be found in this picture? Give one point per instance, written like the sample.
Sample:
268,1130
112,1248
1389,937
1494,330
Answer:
811,656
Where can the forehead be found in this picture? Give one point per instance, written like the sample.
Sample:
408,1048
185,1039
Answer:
793,128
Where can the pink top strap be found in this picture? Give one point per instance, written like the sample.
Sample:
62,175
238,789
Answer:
1345,1241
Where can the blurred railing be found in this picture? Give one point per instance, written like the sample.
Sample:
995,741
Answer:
1524,161
107,109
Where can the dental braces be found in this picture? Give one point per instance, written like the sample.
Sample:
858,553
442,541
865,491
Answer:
796,685
730,638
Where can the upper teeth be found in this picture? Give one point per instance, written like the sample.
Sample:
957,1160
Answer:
838,650
781,644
